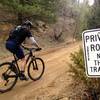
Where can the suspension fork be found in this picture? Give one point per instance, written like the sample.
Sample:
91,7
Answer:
33,60
35,67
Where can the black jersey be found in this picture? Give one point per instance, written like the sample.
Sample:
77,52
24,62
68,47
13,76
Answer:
18,35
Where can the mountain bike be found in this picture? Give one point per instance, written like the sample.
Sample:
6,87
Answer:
10,71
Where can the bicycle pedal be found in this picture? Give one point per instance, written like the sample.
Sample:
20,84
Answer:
23,77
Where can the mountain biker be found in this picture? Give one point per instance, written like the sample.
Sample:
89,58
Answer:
16,38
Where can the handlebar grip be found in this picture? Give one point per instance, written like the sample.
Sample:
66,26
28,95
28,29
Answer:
38,49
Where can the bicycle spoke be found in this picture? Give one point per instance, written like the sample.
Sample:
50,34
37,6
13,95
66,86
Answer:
36,69
7,77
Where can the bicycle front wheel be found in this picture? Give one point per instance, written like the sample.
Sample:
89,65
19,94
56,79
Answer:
7,77
36,69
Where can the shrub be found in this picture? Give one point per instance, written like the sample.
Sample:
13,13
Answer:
78,70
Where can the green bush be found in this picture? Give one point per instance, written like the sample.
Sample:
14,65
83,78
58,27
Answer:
79,74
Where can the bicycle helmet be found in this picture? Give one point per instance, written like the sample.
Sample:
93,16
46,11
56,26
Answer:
28,23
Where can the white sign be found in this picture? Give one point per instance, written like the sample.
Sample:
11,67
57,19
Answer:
91,45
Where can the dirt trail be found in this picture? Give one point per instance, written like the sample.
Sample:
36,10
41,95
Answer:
56,62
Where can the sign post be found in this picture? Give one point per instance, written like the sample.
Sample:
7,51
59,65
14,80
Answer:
91,46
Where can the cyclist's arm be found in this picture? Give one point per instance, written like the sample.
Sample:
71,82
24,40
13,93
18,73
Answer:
33,41
31,38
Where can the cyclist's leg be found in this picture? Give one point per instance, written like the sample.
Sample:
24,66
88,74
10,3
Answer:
15,49
20,55
11,46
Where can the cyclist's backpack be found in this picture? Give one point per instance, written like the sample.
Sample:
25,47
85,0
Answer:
13,33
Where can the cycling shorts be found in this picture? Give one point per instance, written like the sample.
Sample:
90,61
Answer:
15,49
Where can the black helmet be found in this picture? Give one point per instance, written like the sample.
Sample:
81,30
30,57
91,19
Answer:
28,23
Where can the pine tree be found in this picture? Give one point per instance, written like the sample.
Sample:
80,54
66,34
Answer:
26,8
94,18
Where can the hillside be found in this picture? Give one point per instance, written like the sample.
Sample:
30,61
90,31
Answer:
45,36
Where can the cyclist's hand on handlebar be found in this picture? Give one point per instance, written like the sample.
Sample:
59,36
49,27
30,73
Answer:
38,49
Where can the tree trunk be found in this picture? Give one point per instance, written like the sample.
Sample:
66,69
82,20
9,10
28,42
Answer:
20,18
20,15
97,2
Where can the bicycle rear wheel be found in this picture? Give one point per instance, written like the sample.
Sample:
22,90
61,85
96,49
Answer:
36,69
7,77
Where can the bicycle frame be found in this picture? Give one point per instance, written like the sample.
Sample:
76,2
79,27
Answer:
30,55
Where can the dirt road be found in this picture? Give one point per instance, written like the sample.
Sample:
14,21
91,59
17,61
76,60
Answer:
50,85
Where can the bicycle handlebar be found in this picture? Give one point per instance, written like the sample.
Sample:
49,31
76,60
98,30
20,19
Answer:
30,49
